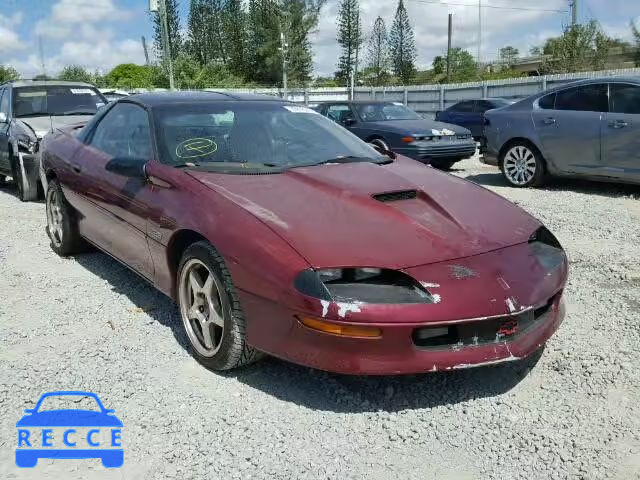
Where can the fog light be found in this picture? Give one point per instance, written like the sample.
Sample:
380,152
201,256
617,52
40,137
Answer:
341,330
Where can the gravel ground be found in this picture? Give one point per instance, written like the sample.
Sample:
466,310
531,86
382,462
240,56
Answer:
89,324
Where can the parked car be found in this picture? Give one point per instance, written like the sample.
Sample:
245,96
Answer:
394,127
588,129
278,231
470,114
30,109
112,94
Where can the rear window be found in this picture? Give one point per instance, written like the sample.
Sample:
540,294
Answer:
56,100
587,98
547,102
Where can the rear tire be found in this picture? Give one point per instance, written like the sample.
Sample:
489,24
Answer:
62,225
522,165
211,314
443,164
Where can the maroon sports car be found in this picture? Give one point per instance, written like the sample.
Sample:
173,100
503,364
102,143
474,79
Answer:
278,231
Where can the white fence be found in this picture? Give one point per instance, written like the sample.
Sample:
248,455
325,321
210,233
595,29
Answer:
427,99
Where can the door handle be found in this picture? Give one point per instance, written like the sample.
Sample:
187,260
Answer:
618,124
549,121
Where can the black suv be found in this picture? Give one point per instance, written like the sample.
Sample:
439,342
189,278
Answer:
28,111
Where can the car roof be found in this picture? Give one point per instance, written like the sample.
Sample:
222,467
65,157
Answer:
590,81
48,83
357,102
154,99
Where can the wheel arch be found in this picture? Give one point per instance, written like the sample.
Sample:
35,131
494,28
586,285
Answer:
179,242
520,140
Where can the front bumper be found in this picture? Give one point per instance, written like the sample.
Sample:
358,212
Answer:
439,150
396,352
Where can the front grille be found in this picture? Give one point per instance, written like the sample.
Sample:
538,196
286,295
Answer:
463,137
480,332
396,196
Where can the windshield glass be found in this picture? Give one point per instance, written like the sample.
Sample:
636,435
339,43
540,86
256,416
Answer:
263,133
500,102
69,402
56,100
380,112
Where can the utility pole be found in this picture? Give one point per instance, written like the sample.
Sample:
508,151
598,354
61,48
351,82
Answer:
449,47
146,52
479,32
574,12
44,70
285,64
166,46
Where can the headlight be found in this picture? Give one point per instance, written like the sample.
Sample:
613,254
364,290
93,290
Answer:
367,285
547,249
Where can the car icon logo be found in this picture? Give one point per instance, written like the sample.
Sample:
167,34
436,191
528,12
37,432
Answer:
69,433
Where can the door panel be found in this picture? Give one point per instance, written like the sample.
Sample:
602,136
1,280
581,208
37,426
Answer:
116,210
4,132
570,132
621,133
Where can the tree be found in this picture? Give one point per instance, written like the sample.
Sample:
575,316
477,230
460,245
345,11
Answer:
581,47
349,39
636,36
8,73
300,18
463,67
264,57
76,73
378,53
509,55
129,76
402,45
235,32
173,30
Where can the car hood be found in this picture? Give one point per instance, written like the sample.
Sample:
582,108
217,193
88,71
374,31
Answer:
329,215
43,125
69,418
416,127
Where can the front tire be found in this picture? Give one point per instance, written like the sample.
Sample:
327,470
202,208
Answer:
62,226
379,143
445,165
523,166
27,187
210,310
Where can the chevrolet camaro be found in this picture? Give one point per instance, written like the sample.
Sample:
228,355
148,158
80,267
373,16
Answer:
277,231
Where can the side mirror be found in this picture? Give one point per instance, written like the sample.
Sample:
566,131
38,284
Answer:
3,117
109,410
349,122
127,167
29,410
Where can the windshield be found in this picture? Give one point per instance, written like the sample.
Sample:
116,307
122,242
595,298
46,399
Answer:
380,112
501,102
56,100
256,133
69,402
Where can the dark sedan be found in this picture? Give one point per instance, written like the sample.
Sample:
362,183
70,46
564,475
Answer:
278,231
470,114
394,127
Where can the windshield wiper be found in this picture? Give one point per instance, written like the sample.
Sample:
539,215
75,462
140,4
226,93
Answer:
76,112
346,159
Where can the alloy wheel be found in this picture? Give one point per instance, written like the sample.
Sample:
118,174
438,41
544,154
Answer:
55,217
201,307
520,165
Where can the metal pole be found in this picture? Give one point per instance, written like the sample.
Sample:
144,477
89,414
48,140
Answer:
352,88
479,32
449,48
165,40
574,12
285,53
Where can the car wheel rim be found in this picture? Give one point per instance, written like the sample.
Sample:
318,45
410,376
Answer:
54,217
520,165
201,307
380,144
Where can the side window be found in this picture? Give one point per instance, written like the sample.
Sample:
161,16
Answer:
464,107
124,132
338,113
587,98
547,102
483,105
625,98
4,101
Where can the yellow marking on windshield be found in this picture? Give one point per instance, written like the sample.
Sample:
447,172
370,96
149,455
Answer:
196,147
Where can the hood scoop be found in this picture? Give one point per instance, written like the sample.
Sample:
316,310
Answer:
396,196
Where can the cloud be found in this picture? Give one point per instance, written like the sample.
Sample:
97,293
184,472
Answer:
67,16
9,40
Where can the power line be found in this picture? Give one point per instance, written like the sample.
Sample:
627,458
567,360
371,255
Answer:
500,7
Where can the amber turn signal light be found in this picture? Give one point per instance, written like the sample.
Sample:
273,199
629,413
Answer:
341,330
408,139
